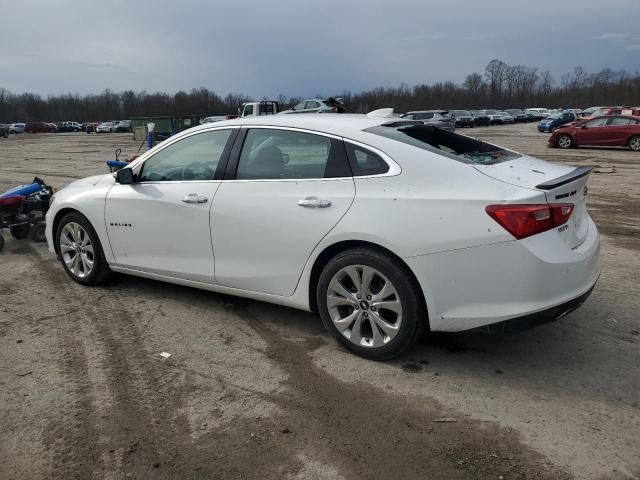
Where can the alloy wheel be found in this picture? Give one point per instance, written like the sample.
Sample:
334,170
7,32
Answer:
564,141
77,250
634,144
364,306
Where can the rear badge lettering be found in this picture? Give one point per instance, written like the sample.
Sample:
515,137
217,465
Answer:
568,194
116,224
563,228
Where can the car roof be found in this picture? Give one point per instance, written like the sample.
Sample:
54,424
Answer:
429,111
339,124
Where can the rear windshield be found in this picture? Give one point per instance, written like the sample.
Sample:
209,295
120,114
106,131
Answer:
457,147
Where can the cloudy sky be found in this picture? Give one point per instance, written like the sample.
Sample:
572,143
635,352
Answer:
298,47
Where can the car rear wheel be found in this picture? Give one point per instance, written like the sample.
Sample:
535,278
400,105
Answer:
564,141
634,143
370,304
80,250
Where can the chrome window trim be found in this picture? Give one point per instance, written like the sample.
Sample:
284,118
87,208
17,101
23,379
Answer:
394,168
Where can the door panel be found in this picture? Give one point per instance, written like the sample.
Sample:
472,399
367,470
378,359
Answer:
152,228
263,237
160,223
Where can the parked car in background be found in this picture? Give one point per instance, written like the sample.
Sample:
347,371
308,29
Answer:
518,115
464,118
438,118
17,128
40,127
351,186
54,127
315,105
4,130
70,127
104,127
556,120
480,118
506,117
495,117
531,117
124,126
589,112
540,113
608,131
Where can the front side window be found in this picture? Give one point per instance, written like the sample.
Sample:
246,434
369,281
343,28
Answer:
299,106
311,105
248,110
286,154
193,158
423,116
596,122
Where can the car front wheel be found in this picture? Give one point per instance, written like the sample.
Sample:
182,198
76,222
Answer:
80,250
370,303
564,141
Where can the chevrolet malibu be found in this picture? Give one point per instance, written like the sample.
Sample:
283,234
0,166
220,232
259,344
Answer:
386,227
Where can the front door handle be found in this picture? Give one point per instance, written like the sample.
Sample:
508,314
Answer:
195,198
314,202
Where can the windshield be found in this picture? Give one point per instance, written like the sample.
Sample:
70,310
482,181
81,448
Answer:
461,113
553,116
448,144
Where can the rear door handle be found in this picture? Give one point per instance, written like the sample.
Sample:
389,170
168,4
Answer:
195,198
314,202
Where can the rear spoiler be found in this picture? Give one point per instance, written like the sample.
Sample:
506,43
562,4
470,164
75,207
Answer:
568,178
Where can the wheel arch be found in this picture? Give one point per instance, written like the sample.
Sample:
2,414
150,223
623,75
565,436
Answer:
56,221
334,249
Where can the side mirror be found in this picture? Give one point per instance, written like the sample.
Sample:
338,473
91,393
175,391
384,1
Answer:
583,126
124,176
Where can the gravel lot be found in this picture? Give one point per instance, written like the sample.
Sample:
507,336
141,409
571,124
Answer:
254,390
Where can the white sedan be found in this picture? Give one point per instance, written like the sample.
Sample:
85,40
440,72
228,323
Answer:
386,227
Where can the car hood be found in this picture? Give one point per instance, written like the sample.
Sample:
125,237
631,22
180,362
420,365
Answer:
90,181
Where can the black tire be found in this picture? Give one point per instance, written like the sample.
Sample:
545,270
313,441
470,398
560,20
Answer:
37,233
634,143
100,272
564,141
1,242
414,315
20,231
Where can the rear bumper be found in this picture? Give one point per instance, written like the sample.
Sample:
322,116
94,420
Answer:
527,322
475,287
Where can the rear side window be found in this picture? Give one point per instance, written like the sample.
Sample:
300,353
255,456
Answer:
423,116
285,154
448,144
248,110
620,122
365,162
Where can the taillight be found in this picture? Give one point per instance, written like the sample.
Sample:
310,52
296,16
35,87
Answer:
522,221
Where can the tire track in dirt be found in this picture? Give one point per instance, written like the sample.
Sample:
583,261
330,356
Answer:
364,432
130,430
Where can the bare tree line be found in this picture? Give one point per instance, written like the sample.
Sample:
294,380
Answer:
499,86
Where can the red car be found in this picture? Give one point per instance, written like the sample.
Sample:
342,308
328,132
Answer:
39,127
609,131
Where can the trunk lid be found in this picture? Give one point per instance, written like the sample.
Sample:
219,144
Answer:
561,184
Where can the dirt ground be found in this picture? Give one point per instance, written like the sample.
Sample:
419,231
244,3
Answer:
253,390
